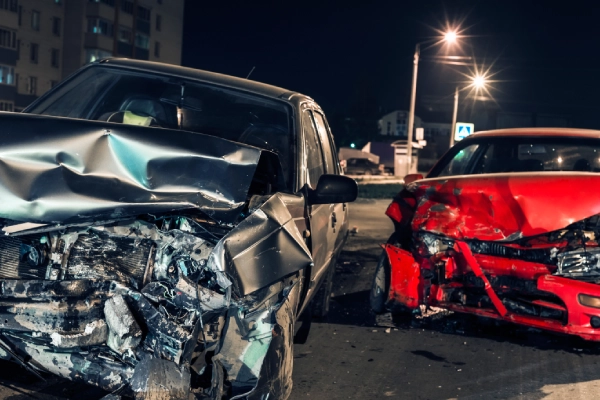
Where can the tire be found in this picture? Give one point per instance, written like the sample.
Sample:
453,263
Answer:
320,303
381,285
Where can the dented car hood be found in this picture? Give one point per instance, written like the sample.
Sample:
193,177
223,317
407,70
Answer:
504,207
59,170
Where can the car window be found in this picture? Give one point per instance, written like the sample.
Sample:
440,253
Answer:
314,155
459,163
325,141
127,97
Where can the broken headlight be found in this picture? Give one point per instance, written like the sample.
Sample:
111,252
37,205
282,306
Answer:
428,244
584,261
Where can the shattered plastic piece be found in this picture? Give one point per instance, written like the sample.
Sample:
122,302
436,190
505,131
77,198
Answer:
95,333
124,332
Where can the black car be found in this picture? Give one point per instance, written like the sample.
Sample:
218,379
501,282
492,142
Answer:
164,228
361,166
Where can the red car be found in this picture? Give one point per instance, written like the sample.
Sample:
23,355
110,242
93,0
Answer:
506,225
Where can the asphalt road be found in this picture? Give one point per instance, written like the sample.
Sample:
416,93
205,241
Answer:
354,355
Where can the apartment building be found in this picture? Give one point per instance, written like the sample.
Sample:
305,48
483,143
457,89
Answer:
44,41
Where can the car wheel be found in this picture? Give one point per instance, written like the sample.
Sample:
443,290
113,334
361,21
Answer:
381,285
320,303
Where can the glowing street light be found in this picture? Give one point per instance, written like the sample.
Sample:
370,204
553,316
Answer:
450,37
479,82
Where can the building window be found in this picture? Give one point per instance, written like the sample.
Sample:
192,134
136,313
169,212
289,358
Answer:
59,2
20,14
127,6
53,83
143,13
8,39
142,41
10,5
7,75
6,106
159,1
55,58
34,50
35,20
32,85
100,26
92,55
124,35
156,49
158,22
56,22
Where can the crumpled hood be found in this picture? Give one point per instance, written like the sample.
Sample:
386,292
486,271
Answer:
59,170
504,207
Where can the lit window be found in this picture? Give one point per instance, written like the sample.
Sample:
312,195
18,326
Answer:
92,55
7,75
35,20
142,41
100,26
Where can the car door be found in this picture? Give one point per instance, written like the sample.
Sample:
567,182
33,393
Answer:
322,238
339,211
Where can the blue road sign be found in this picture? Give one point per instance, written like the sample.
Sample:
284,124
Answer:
463,129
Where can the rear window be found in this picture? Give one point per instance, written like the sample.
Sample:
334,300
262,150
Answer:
520,154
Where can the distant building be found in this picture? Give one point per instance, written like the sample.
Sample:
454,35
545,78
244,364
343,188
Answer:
396,124
44,41
393,128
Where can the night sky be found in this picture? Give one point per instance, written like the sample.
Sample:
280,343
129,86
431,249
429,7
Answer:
354,57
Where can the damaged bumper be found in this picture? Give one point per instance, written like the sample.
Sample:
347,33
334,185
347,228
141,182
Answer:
149,307
495,287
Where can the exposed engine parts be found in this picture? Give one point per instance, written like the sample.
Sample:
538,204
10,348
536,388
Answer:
137,304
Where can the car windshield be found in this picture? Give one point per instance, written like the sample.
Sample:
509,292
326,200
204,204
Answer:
136,98
520,154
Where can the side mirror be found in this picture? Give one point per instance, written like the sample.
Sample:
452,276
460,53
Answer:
411,178
333,189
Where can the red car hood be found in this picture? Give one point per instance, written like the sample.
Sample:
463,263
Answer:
504,207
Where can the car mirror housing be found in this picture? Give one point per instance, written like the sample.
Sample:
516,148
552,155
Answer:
412,177
333,189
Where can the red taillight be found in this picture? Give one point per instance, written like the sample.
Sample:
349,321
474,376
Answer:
393,211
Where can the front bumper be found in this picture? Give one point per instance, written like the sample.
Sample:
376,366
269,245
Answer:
418,281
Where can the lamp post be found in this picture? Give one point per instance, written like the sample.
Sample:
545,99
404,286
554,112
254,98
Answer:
449,37
479,82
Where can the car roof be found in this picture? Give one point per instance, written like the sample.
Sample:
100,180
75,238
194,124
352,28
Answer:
200,75
555,132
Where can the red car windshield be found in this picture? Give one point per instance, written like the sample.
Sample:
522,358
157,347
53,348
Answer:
520,154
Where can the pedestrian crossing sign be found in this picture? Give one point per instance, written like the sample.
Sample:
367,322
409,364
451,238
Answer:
463,129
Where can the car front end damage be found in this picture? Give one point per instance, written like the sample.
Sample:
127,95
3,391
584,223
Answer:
133,263
517,248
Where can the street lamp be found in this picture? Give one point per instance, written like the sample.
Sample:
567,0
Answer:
449,37
478,82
